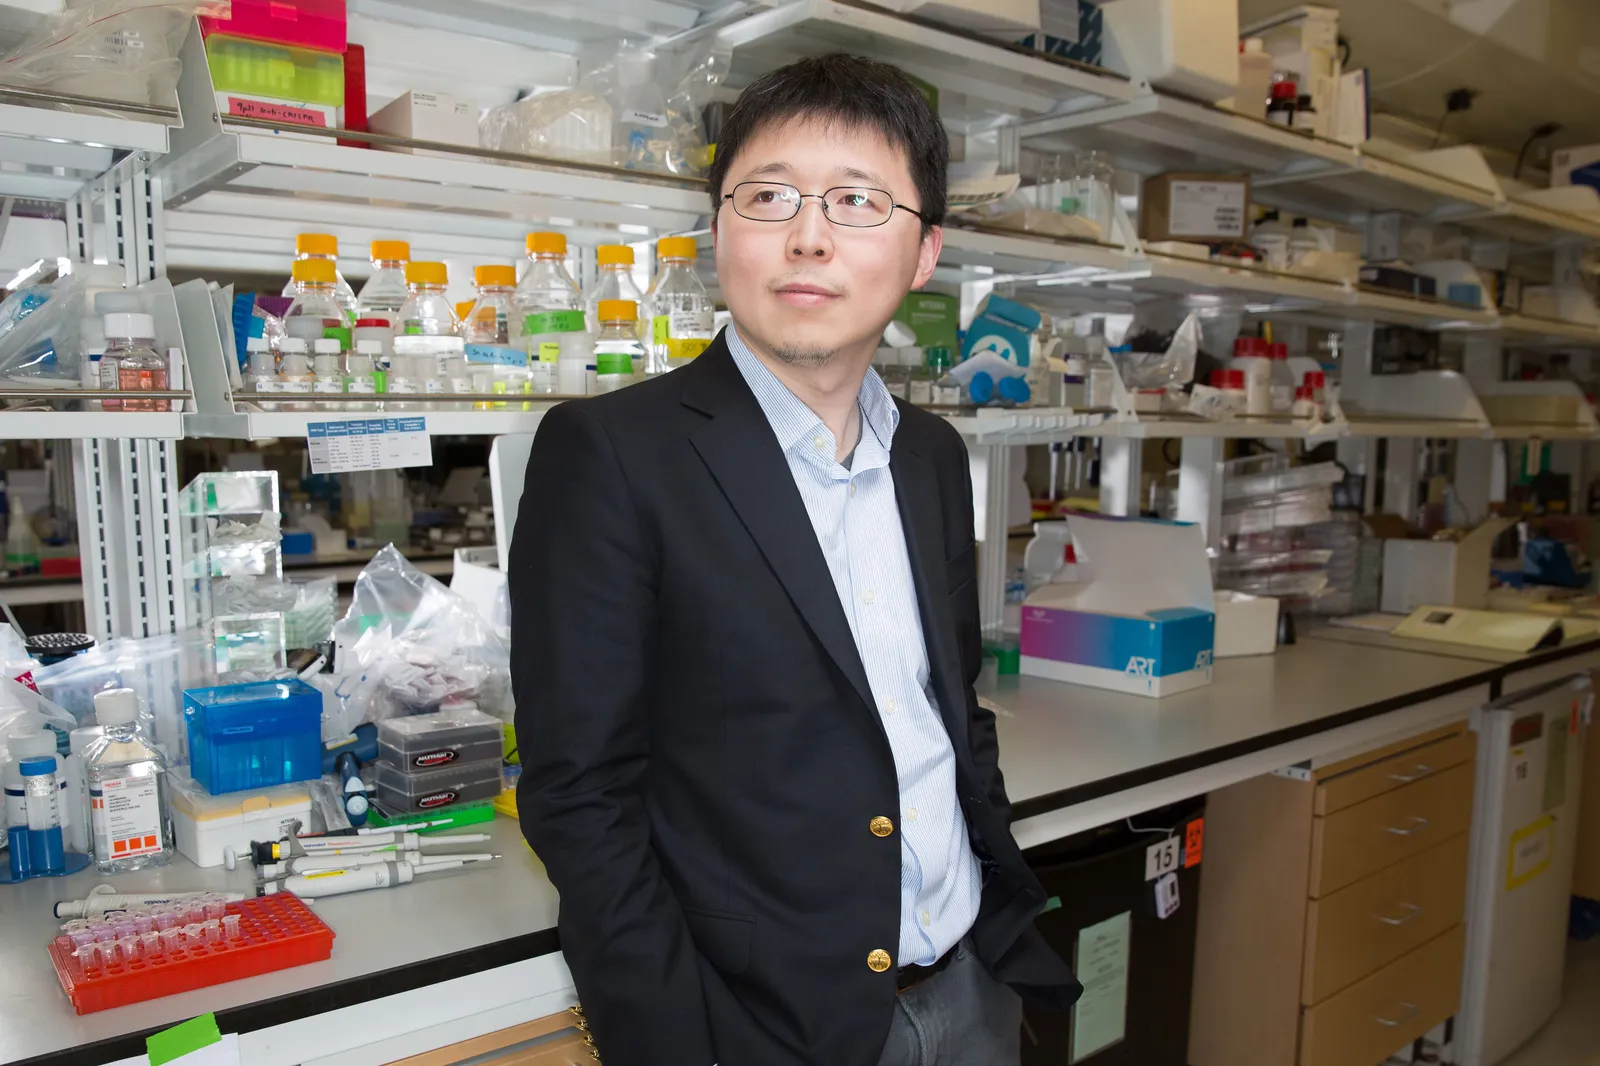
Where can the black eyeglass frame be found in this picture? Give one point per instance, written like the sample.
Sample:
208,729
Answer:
823,196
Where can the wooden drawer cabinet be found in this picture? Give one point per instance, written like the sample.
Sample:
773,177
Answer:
1390,827
554,1040
1359,929
1384,1012
1330,921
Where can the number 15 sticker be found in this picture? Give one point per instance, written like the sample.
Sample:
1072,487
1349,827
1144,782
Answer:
1162,858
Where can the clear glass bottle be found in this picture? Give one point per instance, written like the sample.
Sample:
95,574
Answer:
681,311
130,340
946,390
385,291
1281,379
316,308
22,544
618,355
1093,187
920,389
261,371
361,375
130,813
294,373
327,362
427,311
493,362
549,318
615,282
323,248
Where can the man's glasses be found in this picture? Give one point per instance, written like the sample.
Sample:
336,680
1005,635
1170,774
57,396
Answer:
860,208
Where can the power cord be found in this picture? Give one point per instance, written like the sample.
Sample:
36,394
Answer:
1549,129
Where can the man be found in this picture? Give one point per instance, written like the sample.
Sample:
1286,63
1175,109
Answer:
746,633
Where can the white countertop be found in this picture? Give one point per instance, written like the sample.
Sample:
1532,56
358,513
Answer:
1061,746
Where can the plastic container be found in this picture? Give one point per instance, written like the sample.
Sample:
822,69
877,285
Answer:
275,70
139,367
1282,379
261,371
316,24
1250,354
422,742
254,735
327,362
204,825
385,291
274,933
427,311
615,282
294,373
618,355
550,319
401,792
681,312
323,247
361,375
127,789
317,307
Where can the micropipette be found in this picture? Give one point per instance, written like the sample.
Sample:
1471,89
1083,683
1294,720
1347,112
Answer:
374,830
307,863
272,851
103,898
319,883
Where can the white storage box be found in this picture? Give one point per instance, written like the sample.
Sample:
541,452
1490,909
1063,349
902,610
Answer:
1419,573
1008,19
438,117
1246,625
205,824
1190,47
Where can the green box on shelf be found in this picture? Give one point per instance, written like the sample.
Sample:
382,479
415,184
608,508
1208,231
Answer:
933,317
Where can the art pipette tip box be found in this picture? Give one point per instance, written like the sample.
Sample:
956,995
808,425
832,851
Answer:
1141,621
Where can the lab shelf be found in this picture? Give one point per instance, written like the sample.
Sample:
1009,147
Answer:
80,425
51,154
1023,425
1550,332
264,425
979,81
1177,426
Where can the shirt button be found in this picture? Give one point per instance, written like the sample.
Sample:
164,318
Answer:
927,919
890,706
911,814
818,443
866,597
852,488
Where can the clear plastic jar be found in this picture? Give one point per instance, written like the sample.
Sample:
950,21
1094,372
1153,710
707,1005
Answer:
323,247
316,308
261,371
681,311
385,291
327,363
427,311
295,376
1093,186
618,355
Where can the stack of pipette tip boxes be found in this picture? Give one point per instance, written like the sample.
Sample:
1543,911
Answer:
427,762
160,949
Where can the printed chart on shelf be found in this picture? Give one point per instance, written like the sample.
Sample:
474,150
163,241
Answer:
368,444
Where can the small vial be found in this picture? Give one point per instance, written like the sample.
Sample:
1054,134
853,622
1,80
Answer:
124,927
143,923
165,918
194,912
129,948
230,926
213,929
171,940
150,940
194,934
80,938
89,955
215,908
103,933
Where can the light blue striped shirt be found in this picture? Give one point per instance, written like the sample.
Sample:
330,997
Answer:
857,523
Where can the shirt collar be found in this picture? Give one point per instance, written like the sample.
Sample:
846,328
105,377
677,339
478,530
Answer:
791,420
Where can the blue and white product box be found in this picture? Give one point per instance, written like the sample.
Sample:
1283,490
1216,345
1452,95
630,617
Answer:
1575,166
1140,619
1003,327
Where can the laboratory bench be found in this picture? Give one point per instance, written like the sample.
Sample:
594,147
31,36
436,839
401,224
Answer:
472,952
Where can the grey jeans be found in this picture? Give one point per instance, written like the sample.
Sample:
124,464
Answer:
959,1017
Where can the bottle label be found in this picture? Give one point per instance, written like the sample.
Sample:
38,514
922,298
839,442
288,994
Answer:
433,386
554,322
461,385
294,386
126,815
921,392
632,116
266,385
682,325
685,347
328,385
497,355
549,351
364,385
403,386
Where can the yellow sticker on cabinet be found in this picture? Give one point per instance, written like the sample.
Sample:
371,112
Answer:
1531,850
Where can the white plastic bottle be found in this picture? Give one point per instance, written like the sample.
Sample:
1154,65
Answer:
323,247
1302,242
361,375
552,322
615,282
75,790
21,745
1281,379
261,373
327,370
127,789
1270,237
294,374
681,311
385,291
618,355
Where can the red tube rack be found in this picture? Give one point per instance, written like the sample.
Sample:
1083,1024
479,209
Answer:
276,932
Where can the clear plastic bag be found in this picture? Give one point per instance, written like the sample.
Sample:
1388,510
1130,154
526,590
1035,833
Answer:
408,644
41,341
1159,370
119,50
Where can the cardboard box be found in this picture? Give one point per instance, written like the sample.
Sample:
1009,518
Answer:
1139,620
934,317
1195,207
1419,573
1189,47
1246,625
420,116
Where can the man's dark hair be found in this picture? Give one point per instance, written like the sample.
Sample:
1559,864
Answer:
857,93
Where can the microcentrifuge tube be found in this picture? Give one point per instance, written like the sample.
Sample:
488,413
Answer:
166,919
171,939
194,934
215,908
89,955
79,938
143,923
230,926
213,931
129,947
151,939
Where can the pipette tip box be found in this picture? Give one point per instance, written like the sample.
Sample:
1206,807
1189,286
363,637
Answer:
275,932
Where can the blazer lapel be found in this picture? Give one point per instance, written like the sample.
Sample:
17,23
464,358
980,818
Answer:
739,448
916,489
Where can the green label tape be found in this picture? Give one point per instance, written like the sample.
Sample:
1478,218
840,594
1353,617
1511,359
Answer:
181,1040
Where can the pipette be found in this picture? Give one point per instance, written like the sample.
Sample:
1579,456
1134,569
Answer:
272,851
319,883
308,863
374,830
103,898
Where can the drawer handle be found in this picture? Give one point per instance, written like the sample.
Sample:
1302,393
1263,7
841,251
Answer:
1418,824
1407,1012
1411,909
1420,771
